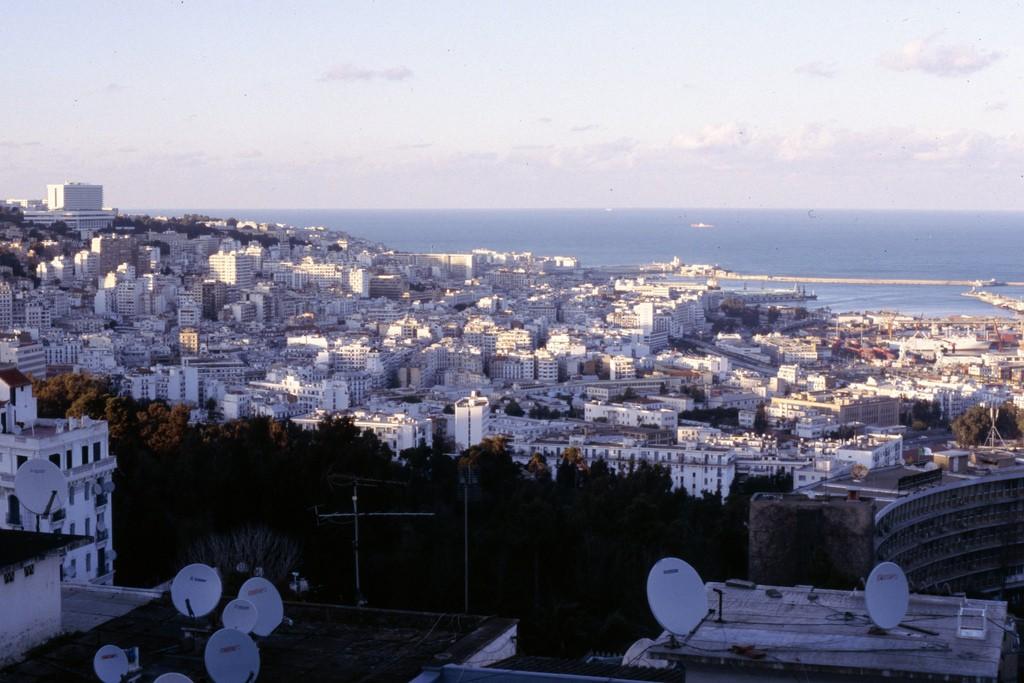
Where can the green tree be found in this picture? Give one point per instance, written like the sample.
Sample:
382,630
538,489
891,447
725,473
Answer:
514,409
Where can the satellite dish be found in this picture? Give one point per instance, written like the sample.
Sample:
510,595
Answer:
97,488
240,615
172,678
108,487
231,657
887,595
41,486
196,590
637,655
676,595
110,664
269,607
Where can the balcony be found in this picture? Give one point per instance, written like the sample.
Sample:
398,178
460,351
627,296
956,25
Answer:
101,499
102,535
58,516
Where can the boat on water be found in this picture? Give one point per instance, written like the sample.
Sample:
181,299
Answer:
702,225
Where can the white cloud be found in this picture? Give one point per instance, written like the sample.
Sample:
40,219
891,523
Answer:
818,69
350,73
947,60
723,136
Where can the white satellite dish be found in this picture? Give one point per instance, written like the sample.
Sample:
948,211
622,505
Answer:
676,595
196,590
269,607
887,595
240,615
110,664
172,677
231,657
637,655
41,486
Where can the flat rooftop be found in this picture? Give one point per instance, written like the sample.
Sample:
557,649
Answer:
827,634
324,642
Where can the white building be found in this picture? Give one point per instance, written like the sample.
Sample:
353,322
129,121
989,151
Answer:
74,197
79,447
471,416
30,593
631,414
233,268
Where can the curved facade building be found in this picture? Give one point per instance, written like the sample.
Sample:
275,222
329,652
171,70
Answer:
962,536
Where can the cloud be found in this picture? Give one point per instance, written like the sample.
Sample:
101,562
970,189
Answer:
249,154
584,128
12,144
818,69
715,137
544,119
946,60
113,88
415,145
348,73
1000,105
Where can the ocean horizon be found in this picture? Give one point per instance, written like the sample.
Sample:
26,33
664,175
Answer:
961,245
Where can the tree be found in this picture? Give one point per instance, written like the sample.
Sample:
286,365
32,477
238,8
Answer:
249,547
972,427
513,408
761,419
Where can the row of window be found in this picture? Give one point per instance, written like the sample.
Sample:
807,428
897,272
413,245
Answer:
68,462
27,570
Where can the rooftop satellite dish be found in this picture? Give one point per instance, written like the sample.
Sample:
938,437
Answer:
887,595
240,615
172,677
637,655
110,664
196,590
41,486
676,595
231,657
269,607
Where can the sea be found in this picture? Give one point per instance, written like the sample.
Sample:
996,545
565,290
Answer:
963,245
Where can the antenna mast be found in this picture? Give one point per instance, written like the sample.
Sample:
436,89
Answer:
993,432
355,515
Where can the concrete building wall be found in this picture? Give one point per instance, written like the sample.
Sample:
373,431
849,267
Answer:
793,540
29,607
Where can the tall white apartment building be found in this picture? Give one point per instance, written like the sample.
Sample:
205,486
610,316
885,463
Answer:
23,352
74,197
233,268
471,415
79,447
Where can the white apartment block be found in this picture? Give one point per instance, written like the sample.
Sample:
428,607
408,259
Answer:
630,414
696,470
233,268
79,447
471,416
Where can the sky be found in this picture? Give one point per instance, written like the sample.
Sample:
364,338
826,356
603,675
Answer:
394,105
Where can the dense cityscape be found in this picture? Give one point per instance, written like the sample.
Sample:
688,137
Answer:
220,390
511,342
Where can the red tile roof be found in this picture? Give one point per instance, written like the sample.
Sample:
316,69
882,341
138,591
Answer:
13,377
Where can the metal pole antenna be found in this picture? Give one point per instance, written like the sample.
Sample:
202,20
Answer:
355,541
465,533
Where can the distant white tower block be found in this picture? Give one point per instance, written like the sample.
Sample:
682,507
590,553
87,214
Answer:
74,197
471,415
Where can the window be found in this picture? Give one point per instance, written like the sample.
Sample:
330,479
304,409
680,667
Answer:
71,494
72,529
88,526
8,577
85,455
68,460
95,451
88,558
86,488
22,459
30,569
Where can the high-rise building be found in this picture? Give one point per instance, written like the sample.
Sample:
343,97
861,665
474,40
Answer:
114,250
233,268
471,415
74,197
